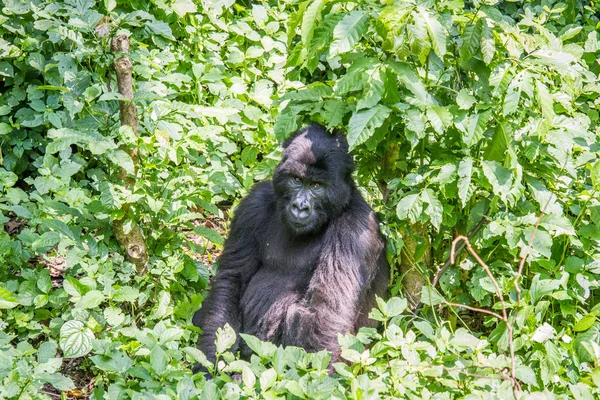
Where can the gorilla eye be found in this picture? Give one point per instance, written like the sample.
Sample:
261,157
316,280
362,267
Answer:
296,179
316,185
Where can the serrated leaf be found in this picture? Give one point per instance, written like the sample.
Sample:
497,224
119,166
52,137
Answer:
348,31
471,37
465,170
334,111
464,99
488,46
436,31
363,123
526,375
48,239
75,339
309,21
545,101
225,338
410,206
499,177
557,224
121,159
434,209
126,293
440,118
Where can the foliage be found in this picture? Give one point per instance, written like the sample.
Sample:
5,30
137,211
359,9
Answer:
456,111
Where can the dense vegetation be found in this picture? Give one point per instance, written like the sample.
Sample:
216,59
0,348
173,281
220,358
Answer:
475,118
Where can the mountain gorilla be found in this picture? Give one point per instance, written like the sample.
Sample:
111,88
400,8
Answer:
304,259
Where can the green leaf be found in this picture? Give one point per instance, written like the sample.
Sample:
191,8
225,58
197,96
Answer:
75,339
410,206
210,234
91,299
309,21
198,356
47,240
436,33
267,379
126,293
434,209
263,349
160,28
159,360
348,31
334,112
497,147
440,118
526,375
122,160
545,101
581,392
7,299
182,7
500,178
585,323
430,296
114,316
488,46
44,283
471,41
465,100
225,338
465,171
363,123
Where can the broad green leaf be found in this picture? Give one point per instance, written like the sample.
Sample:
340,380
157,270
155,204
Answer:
434,210
526,375
48,239
488,46
436,32
581,392
363,123
7,299
430,296
91,299
471,37
500,178
311,17
440,118
557,224
43,282
126,293
75,339
198,356
210,234
159,360
114,316
375,90
267,379
585,323
225,338
410,207
182,7
497,147
263,349
465,100
335,111
348,31
472,127
465,171
545,101
313,92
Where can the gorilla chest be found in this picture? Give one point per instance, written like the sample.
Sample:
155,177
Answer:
284,274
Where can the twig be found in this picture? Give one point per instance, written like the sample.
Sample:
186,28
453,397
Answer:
481,310
447,264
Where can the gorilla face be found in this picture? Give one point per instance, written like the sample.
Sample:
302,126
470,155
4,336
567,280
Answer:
313,180
304,212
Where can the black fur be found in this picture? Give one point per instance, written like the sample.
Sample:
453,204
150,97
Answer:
299,283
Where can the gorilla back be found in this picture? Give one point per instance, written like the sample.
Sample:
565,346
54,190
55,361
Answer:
304,259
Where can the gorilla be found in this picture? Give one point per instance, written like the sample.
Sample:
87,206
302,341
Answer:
305,259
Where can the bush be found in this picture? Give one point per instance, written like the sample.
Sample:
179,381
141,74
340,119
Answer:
475,118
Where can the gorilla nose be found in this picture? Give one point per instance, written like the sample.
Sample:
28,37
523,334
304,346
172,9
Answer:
301,209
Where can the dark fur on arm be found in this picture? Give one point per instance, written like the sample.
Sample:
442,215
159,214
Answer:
337,289
237,264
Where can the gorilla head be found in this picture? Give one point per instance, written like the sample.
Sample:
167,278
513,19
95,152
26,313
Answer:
313,180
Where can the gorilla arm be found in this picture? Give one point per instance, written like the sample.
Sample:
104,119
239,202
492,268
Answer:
238,263
346,270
